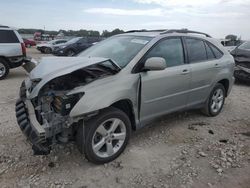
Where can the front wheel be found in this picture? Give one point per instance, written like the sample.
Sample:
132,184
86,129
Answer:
48,50
107,135
215,101
70,53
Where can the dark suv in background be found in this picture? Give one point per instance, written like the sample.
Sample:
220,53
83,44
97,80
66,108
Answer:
73,47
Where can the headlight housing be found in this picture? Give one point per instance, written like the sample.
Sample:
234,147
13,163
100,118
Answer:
63,104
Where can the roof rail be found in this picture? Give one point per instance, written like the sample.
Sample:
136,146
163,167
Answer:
132,31
184,31
4,26
144,30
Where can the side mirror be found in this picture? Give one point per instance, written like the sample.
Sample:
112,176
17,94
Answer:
155,63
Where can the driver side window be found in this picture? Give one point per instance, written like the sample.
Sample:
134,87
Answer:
169,49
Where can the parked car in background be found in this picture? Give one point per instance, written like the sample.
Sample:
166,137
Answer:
48,47
230,48
241,56
121,84
12,50
29,42
72,47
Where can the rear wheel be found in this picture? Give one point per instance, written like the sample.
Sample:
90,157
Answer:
47,50
215,101
70,53
107,135
4,69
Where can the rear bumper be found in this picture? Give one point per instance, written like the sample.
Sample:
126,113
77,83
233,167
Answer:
39,48
35,133
16,61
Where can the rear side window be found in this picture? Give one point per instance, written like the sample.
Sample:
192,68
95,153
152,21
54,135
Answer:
60,41
83,40
171,50
196,50
8,36
218,54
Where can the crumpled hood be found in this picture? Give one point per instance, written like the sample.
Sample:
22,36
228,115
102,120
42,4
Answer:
61,65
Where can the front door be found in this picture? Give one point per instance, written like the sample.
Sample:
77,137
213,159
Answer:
166,90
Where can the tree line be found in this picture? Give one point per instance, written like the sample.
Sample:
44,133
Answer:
78,33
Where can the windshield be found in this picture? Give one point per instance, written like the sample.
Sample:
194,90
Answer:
121,49
73,40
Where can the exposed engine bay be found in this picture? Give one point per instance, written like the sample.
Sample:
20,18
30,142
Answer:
53,104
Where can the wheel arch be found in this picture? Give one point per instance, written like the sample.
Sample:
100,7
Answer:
4,58
126,106
225,83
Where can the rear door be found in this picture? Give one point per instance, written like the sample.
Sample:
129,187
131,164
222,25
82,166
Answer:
205,65
166,90
10,45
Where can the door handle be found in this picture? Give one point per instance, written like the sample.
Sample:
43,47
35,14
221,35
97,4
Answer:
216,65
185,71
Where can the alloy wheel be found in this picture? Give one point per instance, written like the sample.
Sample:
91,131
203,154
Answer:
109,137
2,69
70,53
217,100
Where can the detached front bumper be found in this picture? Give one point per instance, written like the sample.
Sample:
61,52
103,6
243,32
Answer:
35,133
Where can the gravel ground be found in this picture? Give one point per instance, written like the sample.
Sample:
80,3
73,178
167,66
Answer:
179,150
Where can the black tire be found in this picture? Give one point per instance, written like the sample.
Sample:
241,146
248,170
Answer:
91,127
42,50
4,67
47,50
208,110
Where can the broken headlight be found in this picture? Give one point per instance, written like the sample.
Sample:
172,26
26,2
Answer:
63,104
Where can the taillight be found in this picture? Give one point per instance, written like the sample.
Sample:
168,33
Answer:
23,49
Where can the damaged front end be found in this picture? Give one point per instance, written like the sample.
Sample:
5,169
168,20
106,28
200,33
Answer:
43,109
242,71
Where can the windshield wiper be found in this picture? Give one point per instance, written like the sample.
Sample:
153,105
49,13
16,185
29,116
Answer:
107,68
115,64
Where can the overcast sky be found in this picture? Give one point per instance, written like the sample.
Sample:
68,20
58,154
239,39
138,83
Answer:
216,17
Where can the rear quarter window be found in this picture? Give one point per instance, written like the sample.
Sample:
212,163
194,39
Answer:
218,54
8,36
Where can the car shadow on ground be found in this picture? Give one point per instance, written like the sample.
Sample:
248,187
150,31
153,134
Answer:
169,121
244,83
16,74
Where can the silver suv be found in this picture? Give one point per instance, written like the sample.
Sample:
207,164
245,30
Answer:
12,50
121,84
